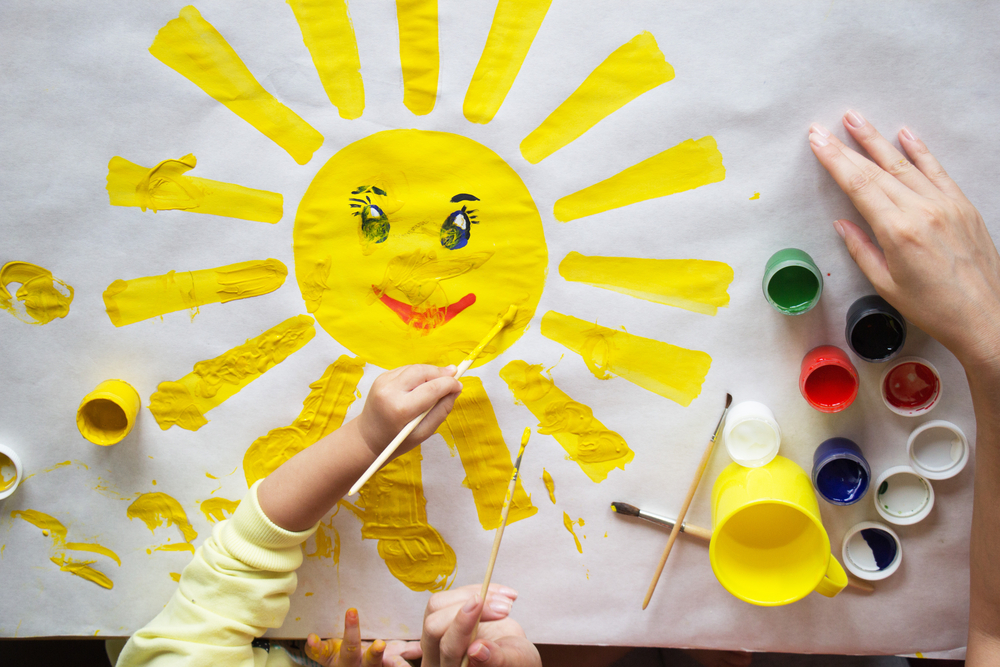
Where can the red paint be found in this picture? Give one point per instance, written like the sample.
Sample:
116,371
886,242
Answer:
911,385
430,318
828,380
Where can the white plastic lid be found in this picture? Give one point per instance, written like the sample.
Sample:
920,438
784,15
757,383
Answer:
938,449
752,434
903,496
9,464
871,551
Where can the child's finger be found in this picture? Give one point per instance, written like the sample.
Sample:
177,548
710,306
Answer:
417,374
350,649
373,656
429,393
433,420
323,651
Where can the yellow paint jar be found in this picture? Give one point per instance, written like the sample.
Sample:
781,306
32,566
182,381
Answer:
769,546
11,472
107,414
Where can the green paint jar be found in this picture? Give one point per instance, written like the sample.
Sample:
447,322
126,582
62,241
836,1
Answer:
792,281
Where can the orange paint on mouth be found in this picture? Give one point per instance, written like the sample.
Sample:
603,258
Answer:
426,319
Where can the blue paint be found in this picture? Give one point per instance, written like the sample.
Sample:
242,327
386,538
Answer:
840,472
882,545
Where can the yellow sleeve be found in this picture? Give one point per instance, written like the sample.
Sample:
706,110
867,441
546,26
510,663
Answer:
235,588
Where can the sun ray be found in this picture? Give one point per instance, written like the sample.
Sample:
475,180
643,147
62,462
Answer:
550,485
418,53
130,301
472,428
568,524
323,412
515,24
43,301
184,402
329,36
670,371
595,448
166,187
218,508
192,46
631,70
156,508
56,531
693,284
83,570
688,165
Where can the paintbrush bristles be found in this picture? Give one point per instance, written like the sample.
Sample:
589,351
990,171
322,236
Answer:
625,508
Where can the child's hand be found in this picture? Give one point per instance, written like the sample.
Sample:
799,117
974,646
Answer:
398,396
346,652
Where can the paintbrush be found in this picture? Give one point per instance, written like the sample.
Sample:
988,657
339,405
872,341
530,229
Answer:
496,540
687,501
504,320
700,533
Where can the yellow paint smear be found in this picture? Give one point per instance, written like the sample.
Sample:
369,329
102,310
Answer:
130,301
184,402
166,187
418,53
515,24
323,412
568,523
43,301
631,70
216,509
176,576
393,510
670,371
688,165
193,47
756,195
326,546
693,284
550,485
156,508
595,448
8,473
329,36
472,428
54,529
82,569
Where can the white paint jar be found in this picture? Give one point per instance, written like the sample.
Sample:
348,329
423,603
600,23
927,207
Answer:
752,434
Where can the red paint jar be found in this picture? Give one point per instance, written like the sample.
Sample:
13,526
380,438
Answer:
828,380
911,387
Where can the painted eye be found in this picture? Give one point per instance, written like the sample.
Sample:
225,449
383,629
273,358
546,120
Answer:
456,228
374,224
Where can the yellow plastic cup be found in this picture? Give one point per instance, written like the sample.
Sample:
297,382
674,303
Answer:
107,414
769,546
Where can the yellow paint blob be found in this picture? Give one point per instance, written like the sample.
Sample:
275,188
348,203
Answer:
688,165
156,508
323,412
472,428
166,187
54,529
8,473
693,284
329,35
192,46
418,53
756,195
432,237
670,371
43,301
82,569
568,523
185,402
176,576
393,511
595,448
631,70
515,24
550,485
129,301
327,542
217,509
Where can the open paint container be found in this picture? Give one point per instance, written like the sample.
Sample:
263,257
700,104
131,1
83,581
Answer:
938,449
911,386
903,496
875,330
107,414
871,551
827,379
751,434
840,472
792,281
11,472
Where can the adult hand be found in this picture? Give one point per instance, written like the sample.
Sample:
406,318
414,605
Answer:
346,652
937,263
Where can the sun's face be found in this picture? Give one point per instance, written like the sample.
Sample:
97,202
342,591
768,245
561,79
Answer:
409,244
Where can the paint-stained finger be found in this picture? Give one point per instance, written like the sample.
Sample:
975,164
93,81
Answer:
323,651
373,656
886,156
897,192
350,649
928,164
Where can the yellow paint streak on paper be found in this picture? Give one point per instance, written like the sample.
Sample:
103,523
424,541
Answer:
472,428
329,36
323,412
176,576
130,301
54,529
394,511
670,371
568,523
185,402
693,284
43,301
8,473
631,70
94,548
327,542
515,24
595,448
418,53
756,195
156,508
166,187
550,485
688,165
82,569
217,509
194,48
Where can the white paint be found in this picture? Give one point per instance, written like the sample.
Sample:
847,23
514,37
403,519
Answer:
752,435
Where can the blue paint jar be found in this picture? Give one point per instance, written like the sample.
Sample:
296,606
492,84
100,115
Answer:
840,472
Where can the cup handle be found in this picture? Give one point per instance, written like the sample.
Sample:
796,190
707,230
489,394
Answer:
834,581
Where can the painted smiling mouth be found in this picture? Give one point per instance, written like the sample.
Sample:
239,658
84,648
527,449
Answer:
430,318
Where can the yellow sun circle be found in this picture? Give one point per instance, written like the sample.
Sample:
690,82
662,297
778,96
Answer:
409,244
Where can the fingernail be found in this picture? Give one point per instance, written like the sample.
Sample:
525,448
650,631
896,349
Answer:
471,605
500,605
819,129
854,119
907,134
840,229
480,653
352,615
506,591
818,140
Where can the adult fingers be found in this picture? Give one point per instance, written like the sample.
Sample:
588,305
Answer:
373,656
350,649
898,193
866,254
457,637
458,596
512,651
394,661
886,156
928,164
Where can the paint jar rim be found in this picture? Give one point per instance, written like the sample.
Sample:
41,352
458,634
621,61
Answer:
904,520
123,396
873,304
18,471
788,258
839,358
860,572
752,411
931,473
919,410
850,456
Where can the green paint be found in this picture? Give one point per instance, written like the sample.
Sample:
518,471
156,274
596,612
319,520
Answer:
793,288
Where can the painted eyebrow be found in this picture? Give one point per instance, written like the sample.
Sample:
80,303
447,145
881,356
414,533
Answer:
464,197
